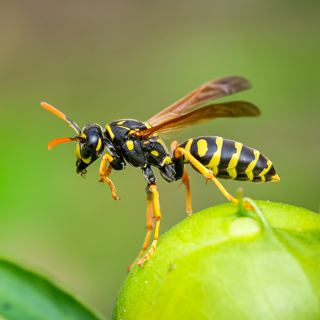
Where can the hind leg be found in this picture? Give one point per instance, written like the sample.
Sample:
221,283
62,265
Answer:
149,228
185,178
179,152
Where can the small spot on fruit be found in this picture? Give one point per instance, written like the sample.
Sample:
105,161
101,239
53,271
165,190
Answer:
244,227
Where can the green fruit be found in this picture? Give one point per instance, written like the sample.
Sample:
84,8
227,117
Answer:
228,263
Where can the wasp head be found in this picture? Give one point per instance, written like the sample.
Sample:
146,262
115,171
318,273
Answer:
90,147
90,140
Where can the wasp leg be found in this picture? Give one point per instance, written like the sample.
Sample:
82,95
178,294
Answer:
156,207
207,173
105,172
149,228
185,179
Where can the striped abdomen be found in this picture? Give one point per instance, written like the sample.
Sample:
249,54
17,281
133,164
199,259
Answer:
229,159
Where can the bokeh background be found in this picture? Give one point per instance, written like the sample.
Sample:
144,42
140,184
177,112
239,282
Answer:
98,61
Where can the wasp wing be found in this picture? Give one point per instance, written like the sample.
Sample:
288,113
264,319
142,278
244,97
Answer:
209,91
221,110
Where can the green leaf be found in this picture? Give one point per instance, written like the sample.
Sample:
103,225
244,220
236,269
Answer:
218,264
26,295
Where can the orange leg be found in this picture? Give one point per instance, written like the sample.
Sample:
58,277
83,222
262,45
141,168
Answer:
105,172
174,145
185,180
149,228
208,174
156,207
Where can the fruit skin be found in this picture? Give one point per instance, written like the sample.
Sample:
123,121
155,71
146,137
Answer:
219,264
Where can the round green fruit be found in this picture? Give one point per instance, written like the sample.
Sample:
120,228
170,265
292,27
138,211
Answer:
222,263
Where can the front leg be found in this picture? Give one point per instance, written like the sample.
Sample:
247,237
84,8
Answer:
105,172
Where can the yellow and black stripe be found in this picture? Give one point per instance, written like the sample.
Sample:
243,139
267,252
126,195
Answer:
118,130
228,159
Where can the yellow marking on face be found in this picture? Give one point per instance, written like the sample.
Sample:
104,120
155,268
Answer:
166,160
78,153
250,175
253,163
110,132
130,145
155,153
217,155
99,145
235,157
87,161
121,122
202,147
83,135
264,171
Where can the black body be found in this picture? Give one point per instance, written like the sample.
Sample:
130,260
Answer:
227,159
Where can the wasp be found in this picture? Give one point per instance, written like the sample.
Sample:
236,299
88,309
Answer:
138,144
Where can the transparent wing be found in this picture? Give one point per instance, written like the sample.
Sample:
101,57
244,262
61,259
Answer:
209,91
221,110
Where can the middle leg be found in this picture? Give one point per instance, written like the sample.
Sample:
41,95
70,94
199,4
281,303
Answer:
185,178
185,181
149,228
156,207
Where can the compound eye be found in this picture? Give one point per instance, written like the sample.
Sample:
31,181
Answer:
92,144
84,152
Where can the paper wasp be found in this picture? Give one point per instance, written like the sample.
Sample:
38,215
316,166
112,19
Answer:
138,144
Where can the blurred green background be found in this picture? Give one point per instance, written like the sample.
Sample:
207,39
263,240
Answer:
98,61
